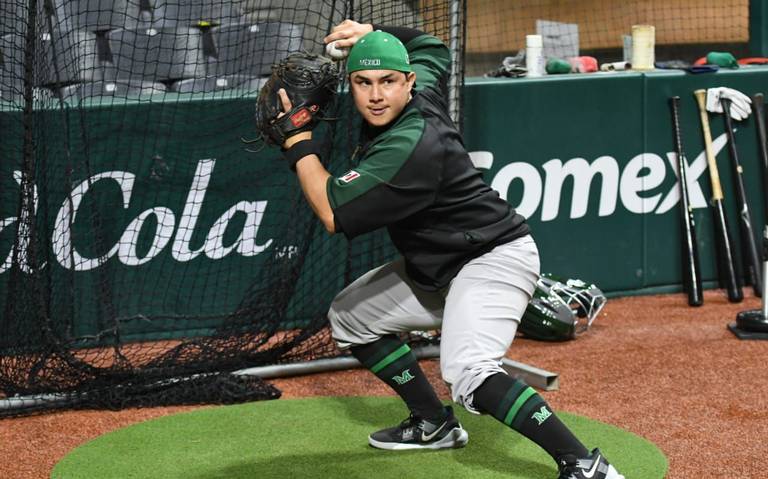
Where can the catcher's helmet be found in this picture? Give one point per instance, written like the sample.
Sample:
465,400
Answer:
561,309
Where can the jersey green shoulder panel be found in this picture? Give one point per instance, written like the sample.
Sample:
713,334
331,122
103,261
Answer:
430,59
381,162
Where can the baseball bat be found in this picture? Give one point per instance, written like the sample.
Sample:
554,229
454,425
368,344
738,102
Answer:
751,256
723,241
691,268
757,106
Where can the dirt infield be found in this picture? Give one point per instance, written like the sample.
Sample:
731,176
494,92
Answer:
652,365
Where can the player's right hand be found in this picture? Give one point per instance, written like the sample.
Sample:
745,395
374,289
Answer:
287,106
347,33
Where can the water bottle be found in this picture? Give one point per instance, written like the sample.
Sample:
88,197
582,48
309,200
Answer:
534,60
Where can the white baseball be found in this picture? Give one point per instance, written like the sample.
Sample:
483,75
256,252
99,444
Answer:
336,53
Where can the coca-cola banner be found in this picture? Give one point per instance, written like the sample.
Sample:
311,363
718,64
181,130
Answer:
142,198
153,213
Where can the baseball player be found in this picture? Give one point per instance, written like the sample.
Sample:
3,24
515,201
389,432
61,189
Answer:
469,265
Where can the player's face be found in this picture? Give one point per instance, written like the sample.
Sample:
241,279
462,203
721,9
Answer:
380,95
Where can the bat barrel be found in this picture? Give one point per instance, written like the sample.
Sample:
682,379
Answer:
714,175
691,269
759,111
723,241
751,256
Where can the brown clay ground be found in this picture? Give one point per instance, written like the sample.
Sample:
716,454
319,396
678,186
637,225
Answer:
651,364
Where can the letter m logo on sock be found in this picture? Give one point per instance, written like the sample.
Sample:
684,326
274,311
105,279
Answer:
542,415
403,378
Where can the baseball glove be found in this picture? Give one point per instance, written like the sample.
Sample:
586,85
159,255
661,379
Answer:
310,82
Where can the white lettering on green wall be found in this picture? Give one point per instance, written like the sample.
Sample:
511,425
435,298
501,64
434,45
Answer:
167,230
633,185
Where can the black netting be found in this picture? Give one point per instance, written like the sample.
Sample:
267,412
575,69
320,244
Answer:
144,254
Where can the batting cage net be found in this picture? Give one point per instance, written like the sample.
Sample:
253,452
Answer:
684,31
145,254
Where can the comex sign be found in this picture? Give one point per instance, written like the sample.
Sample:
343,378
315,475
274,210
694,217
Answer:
643,173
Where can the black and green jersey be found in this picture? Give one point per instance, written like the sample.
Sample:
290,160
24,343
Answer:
415,177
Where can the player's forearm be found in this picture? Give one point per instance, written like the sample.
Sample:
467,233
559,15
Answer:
429,56
313,178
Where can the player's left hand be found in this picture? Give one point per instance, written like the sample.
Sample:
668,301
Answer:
299,90
741,105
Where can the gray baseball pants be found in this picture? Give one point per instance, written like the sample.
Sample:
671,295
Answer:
478,312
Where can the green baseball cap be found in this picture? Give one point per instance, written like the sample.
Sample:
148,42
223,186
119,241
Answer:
378,51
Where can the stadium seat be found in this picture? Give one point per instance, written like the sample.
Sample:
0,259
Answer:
6,52
10,17
60,57
315,15
12,92
251,49
115,89
214,84
157,54
76,58
199,13
99,15
13,17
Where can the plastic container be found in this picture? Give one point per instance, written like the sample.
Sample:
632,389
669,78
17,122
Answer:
643,47
534,60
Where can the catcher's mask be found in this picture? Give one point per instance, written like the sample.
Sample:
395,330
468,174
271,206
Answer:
561,309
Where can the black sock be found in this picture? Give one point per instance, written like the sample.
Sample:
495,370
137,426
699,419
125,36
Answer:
519,406
392,361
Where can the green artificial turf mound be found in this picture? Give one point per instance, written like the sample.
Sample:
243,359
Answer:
327,438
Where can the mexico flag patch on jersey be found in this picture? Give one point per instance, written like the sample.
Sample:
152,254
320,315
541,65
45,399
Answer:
351,175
